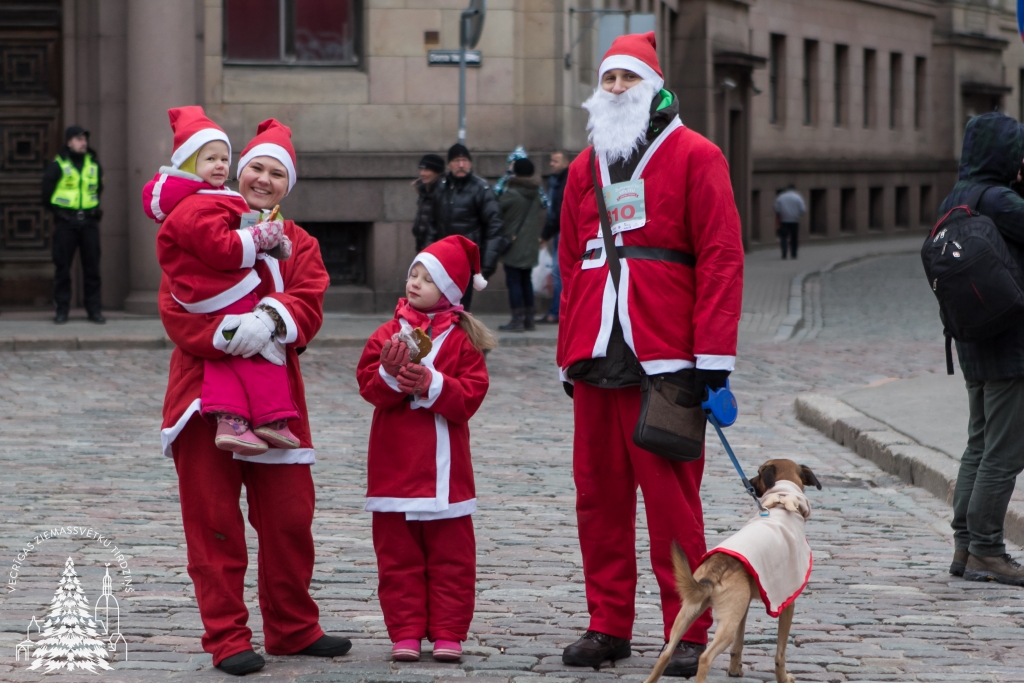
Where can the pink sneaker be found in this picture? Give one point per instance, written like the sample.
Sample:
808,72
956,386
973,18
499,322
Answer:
447,650
233,434
407,650
277,434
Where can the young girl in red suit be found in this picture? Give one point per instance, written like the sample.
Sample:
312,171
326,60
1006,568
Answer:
420,487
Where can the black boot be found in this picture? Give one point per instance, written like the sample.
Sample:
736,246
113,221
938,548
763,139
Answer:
684,659
516,324
327,646
956,567
594,648
242,663
528,324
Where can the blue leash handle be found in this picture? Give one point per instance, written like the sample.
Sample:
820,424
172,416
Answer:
722,401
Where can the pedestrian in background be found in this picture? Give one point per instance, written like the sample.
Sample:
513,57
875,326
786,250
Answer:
789,206
993,368
466,205
521,214
431,168
559,166
72,185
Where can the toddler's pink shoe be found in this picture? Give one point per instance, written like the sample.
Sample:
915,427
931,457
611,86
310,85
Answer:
447,650
277,434
407,650
233,434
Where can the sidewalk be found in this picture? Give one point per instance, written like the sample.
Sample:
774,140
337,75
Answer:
35,331
772,308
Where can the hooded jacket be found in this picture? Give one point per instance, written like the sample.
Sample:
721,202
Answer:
467,206
208,262
991,157
521,214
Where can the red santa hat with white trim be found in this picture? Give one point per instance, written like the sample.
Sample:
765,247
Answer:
636,52
192,129
273,139
451,262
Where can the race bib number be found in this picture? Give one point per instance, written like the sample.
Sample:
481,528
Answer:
625,204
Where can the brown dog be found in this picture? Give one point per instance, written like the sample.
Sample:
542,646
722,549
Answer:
724,584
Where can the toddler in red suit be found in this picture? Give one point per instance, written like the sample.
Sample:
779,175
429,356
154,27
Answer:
209,262
420,478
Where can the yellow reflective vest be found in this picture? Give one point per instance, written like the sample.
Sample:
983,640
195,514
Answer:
77,189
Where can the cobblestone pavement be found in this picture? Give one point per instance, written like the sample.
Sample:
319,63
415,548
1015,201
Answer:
78,433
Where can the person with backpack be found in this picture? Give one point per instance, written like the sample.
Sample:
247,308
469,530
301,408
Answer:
992,364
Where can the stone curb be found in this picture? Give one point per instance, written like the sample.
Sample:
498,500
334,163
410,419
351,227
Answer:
894,452
143,342
794,319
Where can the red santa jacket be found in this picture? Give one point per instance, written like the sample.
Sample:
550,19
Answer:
419,459
295,288
673,316
207,260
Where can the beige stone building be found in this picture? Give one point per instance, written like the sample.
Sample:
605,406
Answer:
860,103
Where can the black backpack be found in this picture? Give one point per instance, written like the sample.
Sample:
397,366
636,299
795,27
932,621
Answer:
973,275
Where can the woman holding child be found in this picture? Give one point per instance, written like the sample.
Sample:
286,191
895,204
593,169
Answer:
242,294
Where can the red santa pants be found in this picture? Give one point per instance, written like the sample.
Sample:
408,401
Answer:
281,500
607,467
426,573
253,388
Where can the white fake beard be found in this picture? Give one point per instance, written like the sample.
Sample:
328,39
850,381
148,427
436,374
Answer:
618,123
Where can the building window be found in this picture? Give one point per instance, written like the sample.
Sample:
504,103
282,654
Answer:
818,212
869,88
841,83
920,80
895,90
902,206
291,32
810,82
755,216
848,209
927,207
776,79
343,249
876,195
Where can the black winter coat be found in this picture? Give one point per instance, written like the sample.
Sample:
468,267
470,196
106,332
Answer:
556,190
992,153
422,225
467,206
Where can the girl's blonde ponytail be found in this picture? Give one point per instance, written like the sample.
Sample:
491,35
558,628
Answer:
480,337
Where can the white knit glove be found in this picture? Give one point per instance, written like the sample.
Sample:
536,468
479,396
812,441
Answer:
274,352
253,333
268,235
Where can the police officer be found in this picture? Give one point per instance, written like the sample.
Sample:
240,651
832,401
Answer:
72,185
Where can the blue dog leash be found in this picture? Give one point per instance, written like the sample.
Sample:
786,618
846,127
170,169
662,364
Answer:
720,407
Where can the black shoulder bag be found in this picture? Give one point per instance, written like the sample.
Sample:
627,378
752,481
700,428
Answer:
671,422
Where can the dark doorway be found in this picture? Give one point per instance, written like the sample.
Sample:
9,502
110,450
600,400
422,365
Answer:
818,212
343,248
30,137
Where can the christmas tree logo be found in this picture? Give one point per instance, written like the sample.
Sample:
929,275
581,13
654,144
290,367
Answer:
69,638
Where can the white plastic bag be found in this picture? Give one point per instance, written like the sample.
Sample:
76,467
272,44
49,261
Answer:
543,284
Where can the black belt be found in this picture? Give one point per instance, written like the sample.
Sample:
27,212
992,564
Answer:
646,254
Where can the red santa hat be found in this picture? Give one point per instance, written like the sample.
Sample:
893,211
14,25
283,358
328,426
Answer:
192,129
273,139
636,52
450,263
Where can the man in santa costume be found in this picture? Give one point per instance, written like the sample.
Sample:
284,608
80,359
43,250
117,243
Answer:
677,307
278,484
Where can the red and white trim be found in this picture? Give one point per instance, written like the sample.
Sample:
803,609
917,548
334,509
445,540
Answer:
196,142
439,275
630,63
269,149
438,507
250,282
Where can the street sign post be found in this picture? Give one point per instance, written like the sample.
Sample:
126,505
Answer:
471,25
